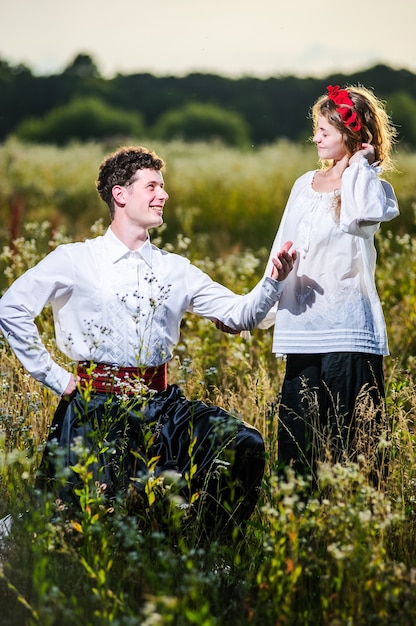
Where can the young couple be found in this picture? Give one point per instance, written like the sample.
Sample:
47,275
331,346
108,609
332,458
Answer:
118,302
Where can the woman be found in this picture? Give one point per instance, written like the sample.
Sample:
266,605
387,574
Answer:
329,320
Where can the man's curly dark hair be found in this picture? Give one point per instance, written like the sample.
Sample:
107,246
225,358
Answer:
119,168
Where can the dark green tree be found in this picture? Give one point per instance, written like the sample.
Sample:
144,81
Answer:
83,119
82,67
402,108
203,122
272,108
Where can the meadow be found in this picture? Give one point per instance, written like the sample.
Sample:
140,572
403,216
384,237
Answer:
344,557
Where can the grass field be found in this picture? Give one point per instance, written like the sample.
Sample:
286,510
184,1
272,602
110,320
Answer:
345,557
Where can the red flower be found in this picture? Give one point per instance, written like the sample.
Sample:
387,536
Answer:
344,106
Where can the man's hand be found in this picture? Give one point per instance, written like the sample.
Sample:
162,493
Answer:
225,328
283,262
72,385
283,265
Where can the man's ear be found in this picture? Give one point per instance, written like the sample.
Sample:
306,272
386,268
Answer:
118,193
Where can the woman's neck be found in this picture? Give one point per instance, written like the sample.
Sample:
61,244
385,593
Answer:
329,180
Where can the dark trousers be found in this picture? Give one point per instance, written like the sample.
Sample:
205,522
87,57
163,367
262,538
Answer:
220,456
332,408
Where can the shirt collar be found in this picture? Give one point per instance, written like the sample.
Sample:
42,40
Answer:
117,249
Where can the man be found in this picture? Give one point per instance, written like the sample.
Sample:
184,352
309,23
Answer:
117,303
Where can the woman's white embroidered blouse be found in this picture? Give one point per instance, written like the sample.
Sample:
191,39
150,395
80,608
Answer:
330,302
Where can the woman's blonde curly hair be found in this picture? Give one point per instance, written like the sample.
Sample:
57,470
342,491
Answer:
376,125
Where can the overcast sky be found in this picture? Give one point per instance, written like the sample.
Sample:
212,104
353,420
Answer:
227,37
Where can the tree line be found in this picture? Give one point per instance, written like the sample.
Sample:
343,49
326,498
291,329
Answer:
81,104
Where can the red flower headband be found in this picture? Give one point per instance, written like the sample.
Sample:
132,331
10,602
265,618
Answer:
345,107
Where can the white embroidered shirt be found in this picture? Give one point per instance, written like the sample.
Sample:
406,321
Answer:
117,306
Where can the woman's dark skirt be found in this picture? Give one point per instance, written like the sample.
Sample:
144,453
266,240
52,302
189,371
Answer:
332,407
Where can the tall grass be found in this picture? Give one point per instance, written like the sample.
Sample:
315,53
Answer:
345,556
220,198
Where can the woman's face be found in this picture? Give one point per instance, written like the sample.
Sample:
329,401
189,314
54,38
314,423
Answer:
329,141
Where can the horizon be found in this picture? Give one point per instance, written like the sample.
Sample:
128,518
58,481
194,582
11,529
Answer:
60,71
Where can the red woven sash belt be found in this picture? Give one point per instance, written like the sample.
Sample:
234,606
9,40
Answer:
107,378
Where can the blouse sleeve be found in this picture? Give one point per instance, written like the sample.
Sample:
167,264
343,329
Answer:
366,200
294,198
